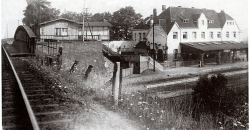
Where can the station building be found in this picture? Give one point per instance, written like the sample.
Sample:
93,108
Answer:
184,34
65,29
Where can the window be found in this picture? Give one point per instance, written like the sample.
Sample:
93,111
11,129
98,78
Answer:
203,35
203,22
135,36
234,34
185,20
211,35
184,35
64,31
194,35
227,34
144,35
210,21
139,36
58,31
218,34
42,32
233,23
175,35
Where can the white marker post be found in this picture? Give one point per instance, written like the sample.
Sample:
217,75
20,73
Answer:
117,84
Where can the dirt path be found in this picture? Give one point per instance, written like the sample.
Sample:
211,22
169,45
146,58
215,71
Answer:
99,118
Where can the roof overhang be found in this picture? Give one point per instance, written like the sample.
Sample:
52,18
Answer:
214,46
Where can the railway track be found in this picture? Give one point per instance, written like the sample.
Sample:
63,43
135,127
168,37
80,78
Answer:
50,111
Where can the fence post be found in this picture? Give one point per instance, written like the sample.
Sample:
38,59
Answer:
117,84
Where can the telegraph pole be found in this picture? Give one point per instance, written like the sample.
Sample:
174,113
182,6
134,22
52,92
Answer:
83,21
154,43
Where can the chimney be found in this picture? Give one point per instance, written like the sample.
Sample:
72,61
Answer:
154,15
154,12
163,7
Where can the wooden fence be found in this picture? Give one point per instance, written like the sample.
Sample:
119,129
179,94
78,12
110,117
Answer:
127,72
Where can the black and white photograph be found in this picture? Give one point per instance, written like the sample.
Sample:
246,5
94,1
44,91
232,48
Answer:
124,65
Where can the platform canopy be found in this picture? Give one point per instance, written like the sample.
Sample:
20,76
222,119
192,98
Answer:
213,46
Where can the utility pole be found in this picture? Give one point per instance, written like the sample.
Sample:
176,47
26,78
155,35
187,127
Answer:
154,44
86,15
83,21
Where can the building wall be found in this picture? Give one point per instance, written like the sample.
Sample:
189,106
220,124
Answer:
173,43
160,38
74,30
49,29
230,28
103,32
136,34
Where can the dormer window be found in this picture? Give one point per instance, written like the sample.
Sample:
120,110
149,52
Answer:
185,20
210,21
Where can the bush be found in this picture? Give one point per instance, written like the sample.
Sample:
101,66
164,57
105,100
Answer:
226,105
209,94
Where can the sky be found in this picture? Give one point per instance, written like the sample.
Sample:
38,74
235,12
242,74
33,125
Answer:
12,10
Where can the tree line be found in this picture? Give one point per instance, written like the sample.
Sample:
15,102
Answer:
123,20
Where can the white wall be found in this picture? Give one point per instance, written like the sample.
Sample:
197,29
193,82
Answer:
173,43
231,28
160,37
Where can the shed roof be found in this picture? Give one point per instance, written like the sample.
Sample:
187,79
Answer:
27,29
215,45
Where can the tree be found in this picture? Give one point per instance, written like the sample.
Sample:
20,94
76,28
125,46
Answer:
123,21
106,16
72,16
38,11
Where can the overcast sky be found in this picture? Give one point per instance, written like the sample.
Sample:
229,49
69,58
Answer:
12,10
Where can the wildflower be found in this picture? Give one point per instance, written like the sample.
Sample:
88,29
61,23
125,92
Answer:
140,116
152,119
234,124
140,98
133,95
131,104
145,108
60,86
221,128
157,111
139,103
162,111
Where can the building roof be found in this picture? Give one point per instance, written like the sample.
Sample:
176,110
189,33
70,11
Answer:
212,46
91,24
64,19
142,26
178,14
96,24
141,45
27,29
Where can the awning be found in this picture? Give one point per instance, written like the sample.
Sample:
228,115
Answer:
213,46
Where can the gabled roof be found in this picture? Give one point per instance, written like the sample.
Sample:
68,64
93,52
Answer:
223,17
177,14
142,26
91,24
57,20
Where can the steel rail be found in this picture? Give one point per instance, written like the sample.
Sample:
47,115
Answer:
26,101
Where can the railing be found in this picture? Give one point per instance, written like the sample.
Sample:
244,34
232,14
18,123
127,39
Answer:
74,37
151,61
26,101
